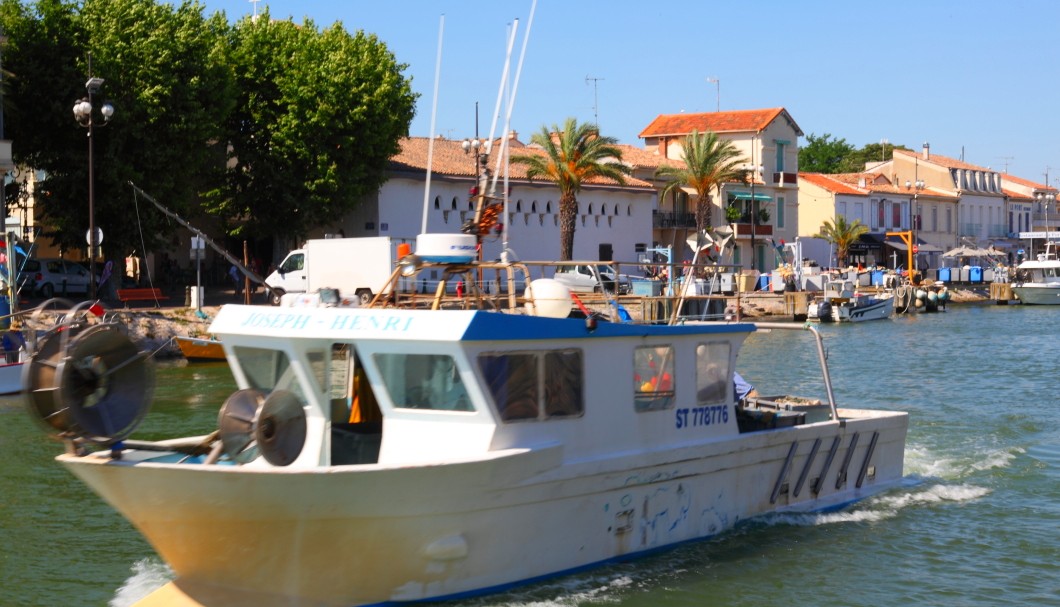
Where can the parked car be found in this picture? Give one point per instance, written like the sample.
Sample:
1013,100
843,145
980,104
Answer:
587,278
57,277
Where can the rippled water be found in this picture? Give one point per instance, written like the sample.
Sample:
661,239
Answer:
976,523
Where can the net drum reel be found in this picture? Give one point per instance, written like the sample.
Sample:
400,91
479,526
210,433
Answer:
88,381
252,423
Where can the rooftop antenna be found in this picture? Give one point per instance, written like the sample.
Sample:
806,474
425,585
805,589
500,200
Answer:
717,85
596,102
1005,160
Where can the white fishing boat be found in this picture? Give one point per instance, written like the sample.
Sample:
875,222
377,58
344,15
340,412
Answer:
842,303
1038,280
425,450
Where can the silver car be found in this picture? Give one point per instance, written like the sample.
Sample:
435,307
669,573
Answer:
57,277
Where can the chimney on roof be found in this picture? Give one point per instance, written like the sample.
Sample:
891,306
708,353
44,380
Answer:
861,181
927,151
513,135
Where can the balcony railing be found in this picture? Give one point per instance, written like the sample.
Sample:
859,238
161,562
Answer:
743,230
783,179
664,219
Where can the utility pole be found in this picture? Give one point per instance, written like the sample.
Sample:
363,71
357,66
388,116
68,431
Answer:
596,102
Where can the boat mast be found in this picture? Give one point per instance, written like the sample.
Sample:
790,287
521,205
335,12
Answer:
434,115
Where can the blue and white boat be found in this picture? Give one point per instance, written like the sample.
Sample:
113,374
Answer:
841,302
435,447
1038,280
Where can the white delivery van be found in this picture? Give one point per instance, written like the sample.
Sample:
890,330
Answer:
354,266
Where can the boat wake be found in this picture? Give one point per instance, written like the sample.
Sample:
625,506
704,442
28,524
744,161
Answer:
584,589
921,462
149,574
883,507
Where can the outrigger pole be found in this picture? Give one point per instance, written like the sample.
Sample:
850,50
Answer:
213,245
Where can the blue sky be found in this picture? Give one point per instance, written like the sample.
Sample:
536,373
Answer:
975,79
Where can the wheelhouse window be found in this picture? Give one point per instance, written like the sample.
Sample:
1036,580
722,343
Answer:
269,370
532,385
423,381
342,378
653,378
712,372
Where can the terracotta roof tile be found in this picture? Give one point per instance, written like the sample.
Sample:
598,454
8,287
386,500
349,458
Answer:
1026,182
832,184
718,122
849,183
449,159
945,161
1017,196
642,158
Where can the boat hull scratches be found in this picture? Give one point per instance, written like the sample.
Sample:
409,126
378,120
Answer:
447,530
174,593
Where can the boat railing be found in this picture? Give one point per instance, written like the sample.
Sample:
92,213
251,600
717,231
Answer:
631,292
822,356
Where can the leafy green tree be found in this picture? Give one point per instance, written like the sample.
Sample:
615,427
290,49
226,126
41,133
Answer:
856,160
823,154
842,235
171,92
708,163
318,116
572,156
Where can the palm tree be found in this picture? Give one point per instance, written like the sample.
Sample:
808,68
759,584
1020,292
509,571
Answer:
709,162
573,155
842,235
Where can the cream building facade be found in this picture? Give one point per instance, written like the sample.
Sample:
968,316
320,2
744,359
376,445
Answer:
769,141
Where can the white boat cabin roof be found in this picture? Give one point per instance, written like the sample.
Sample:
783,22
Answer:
447,385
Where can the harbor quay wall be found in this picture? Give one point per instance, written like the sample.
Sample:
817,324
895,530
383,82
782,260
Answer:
153,329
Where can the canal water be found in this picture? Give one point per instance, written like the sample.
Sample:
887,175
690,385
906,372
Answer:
976,521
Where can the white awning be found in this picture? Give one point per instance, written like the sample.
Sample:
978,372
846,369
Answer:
921,247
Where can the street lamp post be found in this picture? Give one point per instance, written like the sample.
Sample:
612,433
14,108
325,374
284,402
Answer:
756,170
1046,200
83,115
478,192
918,185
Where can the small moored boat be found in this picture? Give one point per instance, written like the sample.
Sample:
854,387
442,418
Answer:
200,349
842,303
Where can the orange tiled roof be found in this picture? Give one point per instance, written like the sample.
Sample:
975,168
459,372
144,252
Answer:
718,122
944,161
1027,182
849,183
833,184
449,159
1017,196
642,158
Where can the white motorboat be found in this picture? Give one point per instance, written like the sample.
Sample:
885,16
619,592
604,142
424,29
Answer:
842,303
1038,280
422,450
